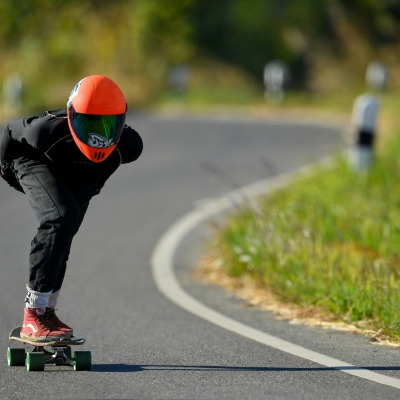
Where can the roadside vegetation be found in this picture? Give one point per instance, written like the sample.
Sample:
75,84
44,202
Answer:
329,242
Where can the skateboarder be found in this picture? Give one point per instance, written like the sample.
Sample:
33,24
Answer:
60,160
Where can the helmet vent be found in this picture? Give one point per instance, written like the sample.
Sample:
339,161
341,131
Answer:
99,155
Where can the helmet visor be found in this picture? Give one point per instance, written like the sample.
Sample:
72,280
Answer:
97,131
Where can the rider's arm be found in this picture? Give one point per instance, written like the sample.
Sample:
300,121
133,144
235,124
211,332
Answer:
6,152
19,133
130,145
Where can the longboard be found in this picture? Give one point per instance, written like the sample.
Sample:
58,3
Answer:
61,353
15,335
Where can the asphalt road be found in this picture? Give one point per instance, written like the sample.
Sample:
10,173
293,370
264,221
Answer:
144,346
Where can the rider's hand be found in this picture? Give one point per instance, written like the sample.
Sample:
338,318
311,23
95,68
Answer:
9,176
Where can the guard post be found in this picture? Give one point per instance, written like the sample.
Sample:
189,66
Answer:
179,76
364,123
12,92
276,79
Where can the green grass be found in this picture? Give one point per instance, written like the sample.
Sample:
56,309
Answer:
331,240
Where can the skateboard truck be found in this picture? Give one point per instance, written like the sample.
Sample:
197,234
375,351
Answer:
59,356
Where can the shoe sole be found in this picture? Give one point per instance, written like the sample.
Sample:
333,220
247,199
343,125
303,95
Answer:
43,339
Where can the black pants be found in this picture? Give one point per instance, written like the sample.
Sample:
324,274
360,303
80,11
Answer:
59,199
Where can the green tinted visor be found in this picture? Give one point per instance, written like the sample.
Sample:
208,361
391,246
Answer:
97,131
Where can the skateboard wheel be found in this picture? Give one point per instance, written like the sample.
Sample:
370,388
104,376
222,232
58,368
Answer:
16,356
83,361
35,361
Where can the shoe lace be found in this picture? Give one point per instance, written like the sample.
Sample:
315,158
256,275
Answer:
45,321
51,314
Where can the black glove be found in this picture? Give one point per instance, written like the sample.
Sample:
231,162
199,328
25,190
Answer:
8,175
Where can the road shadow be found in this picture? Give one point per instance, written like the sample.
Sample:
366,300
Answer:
215,368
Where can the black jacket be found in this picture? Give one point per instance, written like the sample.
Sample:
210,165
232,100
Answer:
49,135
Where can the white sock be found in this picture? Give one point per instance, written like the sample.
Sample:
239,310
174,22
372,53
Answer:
53,299
37,300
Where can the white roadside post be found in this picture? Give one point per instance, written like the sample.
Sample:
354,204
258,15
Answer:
365,117
276,79
179,77
12,92
364,122
377,75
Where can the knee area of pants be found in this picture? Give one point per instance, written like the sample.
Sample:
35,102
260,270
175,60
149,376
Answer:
69,220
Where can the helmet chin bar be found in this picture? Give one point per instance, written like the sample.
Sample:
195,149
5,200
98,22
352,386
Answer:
99,155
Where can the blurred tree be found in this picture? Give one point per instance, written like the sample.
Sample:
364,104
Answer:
379,19
52,40
52,43
162,29
251,34
240,32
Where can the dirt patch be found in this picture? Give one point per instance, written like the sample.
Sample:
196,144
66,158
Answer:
211,270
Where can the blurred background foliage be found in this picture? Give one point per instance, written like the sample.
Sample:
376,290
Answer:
327,44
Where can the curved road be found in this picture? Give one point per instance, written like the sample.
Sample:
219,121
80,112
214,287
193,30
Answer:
143,345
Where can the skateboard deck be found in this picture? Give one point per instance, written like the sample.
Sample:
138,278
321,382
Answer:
15,335
60,354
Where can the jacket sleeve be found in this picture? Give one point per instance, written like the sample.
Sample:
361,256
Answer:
105,175
35,132
130,145
7,146
14,137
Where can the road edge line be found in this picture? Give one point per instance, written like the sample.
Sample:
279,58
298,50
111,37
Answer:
164,276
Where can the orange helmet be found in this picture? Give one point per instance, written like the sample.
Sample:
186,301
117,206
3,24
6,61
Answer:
96,112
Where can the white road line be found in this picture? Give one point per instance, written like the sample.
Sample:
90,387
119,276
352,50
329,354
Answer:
164,276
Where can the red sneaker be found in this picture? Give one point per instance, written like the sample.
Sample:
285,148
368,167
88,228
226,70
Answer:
51,316
39,328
